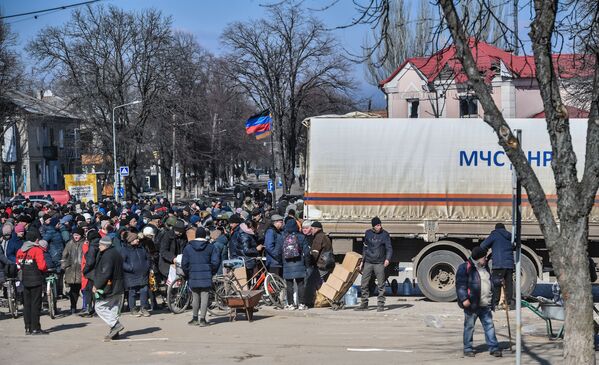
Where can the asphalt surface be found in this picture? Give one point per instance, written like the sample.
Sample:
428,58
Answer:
412,331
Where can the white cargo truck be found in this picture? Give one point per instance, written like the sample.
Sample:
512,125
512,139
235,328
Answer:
438,185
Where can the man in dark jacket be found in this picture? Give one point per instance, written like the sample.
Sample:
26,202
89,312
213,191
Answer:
475,293
321,246
108,286
136,265
377,255
200,261
273,243
234,241
500,242
172,244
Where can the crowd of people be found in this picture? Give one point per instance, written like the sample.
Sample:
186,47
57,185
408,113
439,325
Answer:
108,251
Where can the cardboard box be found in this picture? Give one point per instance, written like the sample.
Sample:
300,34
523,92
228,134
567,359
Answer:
335,283
342,273
241,276
327,291
351,260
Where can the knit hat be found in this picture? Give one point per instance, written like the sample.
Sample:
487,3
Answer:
106,241
131,237
179,226
376,221
194,219
499,226
20,228
201,233
171,221
79,231
478,253
317,224
235,218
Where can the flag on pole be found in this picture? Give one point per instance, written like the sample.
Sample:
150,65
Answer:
259,123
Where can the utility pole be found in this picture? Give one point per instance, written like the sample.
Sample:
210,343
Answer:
173,172
516,41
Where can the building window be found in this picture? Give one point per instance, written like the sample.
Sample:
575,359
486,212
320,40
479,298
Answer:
468,106
61,138
413,105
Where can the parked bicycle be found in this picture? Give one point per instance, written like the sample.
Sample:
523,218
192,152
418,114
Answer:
178,296
10,302
51,293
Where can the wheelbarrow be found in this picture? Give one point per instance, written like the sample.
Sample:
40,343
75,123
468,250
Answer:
547,310
246,300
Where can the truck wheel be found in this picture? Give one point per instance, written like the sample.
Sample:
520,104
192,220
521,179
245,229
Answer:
437,275
529,276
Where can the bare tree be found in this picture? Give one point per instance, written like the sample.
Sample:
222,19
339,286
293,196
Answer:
566,235
104,57
11,69
280,60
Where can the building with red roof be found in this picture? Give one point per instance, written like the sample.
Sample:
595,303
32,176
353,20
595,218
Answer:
436,86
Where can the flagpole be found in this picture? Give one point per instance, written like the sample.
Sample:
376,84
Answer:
274,173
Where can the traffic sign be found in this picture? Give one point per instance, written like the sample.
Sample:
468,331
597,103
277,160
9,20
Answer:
280,183
270,186
124,170
121,192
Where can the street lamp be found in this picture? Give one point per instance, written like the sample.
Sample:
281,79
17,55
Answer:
114,145
174,163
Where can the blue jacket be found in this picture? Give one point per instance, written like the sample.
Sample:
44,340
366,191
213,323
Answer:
234,243
377,247
468,285
55,245
14,244
136,265
200,261
295,268
500,241
221,245
273,243
248,249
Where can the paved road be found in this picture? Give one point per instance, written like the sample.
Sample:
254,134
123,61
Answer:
317,336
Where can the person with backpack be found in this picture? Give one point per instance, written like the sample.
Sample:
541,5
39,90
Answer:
322,251
273,244
475,296
31,262
377,254
294,252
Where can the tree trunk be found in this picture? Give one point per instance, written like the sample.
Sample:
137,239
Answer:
570,262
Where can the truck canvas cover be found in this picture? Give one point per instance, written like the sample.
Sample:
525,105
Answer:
423,169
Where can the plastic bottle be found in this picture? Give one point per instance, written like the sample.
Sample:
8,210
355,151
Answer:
351,297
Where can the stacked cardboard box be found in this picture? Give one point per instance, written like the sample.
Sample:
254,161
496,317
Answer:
341,275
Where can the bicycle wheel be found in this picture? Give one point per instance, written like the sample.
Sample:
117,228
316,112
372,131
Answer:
221,288
12,299
276,290
178,296
51,302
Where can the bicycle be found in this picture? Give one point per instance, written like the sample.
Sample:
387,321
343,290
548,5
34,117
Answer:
11,297
273,286
178,296
51,280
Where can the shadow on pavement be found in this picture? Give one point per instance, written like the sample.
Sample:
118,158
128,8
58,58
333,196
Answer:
139,332
64,327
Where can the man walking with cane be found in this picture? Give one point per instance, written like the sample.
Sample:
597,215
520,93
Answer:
108,286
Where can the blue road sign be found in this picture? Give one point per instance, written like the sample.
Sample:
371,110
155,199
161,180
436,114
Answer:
270,186
124,170
280,183
121,192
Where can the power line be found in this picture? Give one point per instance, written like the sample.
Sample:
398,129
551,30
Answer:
64,7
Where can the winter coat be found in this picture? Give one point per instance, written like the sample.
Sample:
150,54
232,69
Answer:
468,285
4,263
221,245
108,273
170,247
377,247
32,264
200,261
72,256
248,249
14,244
273,243
55,244
89,262
136,265
320,243
500,241
295,268
65,234
234,243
